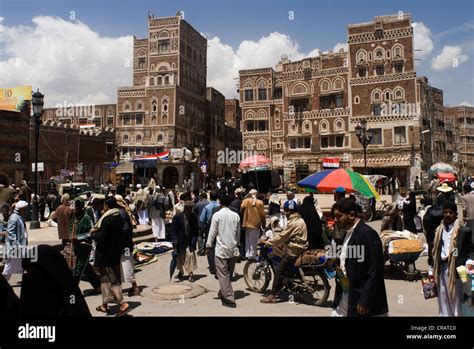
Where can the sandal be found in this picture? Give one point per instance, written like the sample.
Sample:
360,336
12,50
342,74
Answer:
122,312
269,299
133,292
101,308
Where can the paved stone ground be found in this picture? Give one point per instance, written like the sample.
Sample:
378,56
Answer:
405,298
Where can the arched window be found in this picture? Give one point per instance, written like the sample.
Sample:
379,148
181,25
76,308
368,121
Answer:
164,105
338,83
261,145
167,80
249,145
397,51
399,93
325,85
307,127
154,106
300,89
356,100
324,126
339,125
292,127
361,56
125,139
138,139
160,137
376,95
160,80
387,95
378,54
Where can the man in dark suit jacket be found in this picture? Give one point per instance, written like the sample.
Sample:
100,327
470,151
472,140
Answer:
362,262
109,238
184,234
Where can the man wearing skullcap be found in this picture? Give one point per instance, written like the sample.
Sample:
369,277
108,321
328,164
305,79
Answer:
17,237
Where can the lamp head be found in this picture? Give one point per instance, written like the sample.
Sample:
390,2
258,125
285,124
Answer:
37,102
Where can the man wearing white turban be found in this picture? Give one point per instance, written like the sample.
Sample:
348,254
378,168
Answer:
16,238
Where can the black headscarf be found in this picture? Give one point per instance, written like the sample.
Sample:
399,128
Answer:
48,288
313,223
9,302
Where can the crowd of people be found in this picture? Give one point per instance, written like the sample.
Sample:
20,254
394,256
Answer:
228,222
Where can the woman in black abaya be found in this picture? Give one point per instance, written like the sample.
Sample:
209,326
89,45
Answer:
48,289
313,223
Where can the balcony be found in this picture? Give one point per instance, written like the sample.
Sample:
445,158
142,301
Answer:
313,114
256,133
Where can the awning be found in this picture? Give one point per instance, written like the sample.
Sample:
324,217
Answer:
124,167
384,161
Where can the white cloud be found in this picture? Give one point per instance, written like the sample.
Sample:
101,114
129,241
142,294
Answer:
343,45
450,57
224,62
70,62
66,60
467,104
422,40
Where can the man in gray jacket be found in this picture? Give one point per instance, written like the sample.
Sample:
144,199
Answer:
225,229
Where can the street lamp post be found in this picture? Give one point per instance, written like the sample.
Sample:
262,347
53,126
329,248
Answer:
37,102
365,138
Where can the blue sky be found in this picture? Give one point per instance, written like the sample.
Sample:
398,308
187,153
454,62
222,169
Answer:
317,24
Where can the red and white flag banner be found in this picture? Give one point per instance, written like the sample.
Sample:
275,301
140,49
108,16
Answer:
331,162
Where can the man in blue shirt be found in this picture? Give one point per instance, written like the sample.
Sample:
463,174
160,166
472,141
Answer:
205,222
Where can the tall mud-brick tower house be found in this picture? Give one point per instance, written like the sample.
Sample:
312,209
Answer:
164,108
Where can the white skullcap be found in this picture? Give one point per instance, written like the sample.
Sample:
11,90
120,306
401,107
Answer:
139,186
253,192
21,204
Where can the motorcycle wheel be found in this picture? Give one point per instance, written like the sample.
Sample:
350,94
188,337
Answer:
320,284
257,281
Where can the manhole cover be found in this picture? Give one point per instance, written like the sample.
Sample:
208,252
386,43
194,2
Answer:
172,289
175,292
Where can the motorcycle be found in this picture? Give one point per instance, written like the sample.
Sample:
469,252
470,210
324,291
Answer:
309,281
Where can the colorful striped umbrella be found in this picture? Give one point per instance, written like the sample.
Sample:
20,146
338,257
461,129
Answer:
328,180
441,167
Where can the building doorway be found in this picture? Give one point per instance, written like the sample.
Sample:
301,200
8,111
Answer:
170,177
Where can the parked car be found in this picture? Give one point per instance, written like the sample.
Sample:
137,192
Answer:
73,189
